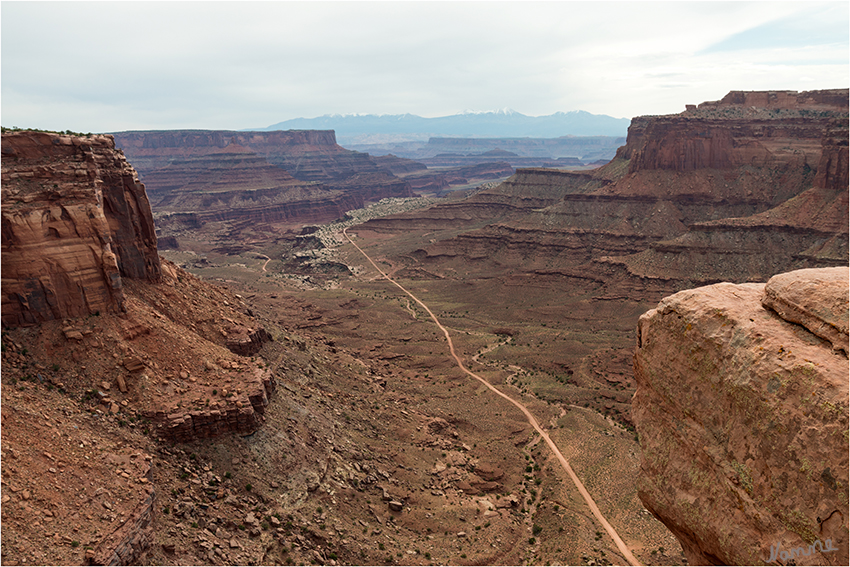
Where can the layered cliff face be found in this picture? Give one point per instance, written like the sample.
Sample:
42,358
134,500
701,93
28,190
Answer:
101,336
771,166
76,220
741,407
292,176
436,182
723,191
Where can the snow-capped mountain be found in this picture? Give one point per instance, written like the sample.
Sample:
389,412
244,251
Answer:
474,124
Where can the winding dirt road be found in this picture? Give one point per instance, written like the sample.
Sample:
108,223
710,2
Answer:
267,260
621,546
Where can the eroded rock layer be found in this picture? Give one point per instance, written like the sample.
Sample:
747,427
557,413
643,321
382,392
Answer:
213,175
76,220
742,415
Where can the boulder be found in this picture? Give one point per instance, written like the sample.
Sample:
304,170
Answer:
814,298
743,419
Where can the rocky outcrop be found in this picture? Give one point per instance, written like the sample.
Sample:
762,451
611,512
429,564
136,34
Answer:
774,228
246,341
815,299
742,414
241,414
130,543
437,181
759,129
321,159
76,220
528,189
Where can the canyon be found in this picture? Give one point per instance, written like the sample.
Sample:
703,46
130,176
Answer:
265,396
271,182
725,191
562,152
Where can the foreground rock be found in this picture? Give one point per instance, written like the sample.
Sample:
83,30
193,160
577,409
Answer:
815,299
742,417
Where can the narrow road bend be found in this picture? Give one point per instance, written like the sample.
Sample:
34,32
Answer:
267,260
621,546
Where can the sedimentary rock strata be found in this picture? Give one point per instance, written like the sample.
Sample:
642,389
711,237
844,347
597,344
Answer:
742,415
76,220
297,176
241,414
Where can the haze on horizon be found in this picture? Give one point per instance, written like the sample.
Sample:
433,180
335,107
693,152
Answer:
111,66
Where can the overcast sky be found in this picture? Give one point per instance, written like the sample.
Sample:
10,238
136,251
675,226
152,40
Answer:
109,66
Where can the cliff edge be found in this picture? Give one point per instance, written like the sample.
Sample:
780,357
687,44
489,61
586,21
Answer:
742,414
75,220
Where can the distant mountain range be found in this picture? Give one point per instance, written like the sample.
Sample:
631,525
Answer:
375,128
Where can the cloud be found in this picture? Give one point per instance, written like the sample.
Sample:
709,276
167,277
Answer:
814,26
114,65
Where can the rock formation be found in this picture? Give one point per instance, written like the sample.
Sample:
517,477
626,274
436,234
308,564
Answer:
762,190
741,407
291,176
440,180
76,220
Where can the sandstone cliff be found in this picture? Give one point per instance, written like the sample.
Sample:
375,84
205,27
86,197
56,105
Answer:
741,407
283,176
76,220
109,337
773,180
726,191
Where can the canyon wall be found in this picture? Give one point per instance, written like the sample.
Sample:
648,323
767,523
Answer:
297,176
809,228
723,191
741,407
76,220
519,152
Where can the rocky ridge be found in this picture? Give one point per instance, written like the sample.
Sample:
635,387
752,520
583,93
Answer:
741,407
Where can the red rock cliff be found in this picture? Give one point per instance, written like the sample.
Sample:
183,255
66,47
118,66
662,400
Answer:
309,155
284,176
75,220
776,129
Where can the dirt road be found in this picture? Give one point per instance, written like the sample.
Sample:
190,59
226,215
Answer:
621,546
